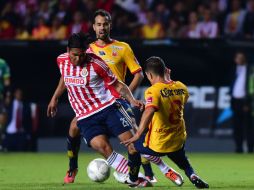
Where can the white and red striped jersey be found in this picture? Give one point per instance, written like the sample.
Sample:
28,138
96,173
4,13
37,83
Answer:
87,84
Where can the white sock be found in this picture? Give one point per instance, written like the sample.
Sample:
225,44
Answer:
158,161
118,162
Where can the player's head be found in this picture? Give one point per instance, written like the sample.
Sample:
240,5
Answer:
155,68
77,46
102,24
240,58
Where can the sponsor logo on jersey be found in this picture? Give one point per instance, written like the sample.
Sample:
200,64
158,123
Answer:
76,81
109,61
101,53
114,53
116,47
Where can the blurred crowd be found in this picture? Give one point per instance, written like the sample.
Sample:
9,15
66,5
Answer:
147,19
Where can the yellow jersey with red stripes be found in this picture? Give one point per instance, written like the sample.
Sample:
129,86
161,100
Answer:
118,56
166,131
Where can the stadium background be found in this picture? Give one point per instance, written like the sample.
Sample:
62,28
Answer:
204,65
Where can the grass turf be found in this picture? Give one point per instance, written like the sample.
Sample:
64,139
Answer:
46,171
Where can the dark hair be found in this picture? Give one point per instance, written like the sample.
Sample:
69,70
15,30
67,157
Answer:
103,13
79,40
155,65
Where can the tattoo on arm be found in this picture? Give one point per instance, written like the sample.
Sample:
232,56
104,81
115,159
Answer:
125,92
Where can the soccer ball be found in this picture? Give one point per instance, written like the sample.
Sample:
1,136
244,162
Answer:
98,170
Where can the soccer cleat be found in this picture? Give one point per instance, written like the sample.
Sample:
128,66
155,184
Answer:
152,179
198,182
175,177
121,177
70,176
140,183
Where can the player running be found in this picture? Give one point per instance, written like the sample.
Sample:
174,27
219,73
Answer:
87,77
162,128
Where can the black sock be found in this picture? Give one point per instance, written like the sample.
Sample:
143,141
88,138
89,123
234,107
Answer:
134,162
147,167
182,161
73,145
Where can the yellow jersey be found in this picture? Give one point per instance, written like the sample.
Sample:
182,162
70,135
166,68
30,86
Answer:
166,131
118,56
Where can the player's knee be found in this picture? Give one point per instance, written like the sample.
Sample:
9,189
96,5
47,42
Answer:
74,130
103,148
144,160
131,149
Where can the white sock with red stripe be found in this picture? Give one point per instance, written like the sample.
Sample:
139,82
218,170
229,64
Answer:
118,162
158,161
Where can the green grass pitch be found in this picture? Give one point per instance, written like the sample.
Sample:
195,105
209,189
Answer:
30,171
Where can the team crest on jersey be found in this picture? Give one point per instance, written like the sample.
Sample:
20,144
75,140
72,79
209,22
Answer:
114,53
101,53
84,72
115,50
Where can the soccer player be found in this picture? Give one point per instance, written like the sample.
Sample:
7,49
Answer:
119,57
162,128
87,77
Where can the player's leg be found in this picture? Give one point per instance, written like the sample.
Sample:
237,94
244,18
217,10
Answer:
73,146
134,162
95,134
145,163
154,157
102,145
181,160
121,127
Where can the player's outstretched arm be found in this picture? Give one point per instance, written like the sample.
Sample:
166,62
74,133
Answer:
144,123
52,106
125,92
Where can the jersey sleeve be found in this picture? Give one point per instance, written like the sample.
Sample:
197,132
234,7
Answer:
151,98
131,61
59,63
104,72
186,92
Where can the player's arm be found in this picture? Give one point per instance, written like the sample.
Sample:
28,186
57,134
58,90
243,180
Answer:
125,92
137,79
52,106
110,79
144,123
134,67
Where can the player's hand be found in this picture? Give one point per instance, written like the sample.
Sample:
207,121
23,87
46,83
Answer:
52,108
131,140
138,103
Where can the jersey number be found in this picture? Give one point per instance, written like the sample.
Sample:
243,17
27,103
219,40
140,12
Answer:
175,112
